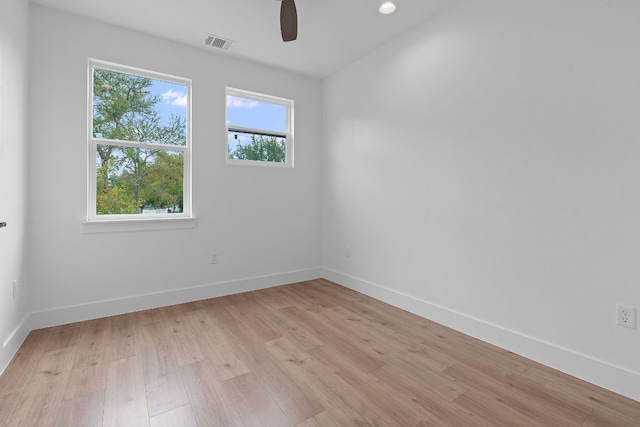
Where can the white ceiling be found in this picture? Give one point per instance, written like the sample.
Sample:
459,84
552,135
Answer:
331,33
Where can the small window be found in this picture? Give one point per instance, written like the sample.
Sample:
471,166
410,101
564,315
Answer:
259,129
139,144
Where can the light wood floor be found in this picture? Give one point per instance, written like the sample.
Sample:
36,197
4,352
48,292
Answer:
307,354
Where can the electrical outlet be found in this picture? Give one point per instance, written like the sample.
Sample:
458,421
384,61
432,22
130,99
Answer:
214,257
15,288
626,316
347,251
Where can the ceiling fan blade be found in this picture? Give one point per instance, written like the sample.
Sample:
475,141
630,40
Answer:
288,20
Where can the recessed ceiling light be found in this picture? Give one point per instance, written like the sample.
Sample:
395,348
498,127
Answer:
387,7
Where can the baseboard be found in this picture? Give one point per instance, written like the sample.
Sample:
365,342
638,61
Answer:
13,342
98,309
112,307
617,379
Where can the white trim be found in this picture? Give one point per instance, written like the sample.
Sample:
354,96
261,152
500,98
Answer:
148,223
242,93
18,331
259,163
11,344
615,378
140,72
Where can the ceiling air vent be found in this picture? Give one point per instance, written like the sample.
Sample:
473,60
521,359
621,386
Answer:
217,42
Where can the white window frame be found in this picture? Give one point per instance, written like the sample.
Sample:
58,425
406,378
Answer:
131,222
287,134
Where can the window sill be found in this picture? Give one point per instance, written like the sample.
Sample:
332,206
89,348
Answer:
262,163
147,224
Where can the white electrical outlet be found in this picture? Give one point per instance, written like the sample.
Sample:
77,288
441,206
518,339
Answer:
626,316
15,288
347,251
214,257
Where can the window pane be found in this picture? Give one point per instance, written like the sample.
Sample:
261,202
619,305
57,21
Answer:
252,146
133,108
250,113
133,180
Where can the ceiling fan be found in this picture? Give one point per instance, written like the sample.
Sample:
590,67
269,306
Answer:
288,20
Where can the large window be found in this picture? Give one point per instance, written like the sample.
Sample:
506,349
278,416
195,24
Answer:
139,144
259,129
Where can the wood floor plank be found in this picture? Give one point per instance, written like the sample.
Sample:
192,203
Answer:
326,386
86,380
335,395
436,401
11,409
210,400
122,338
398,410
255,404
22,367
300,355
52,374
188,345
285,352
603,417
64,336
423,378
182,416
94,345
214,344
207,325
152,315
303,338
272,298
323,419
281,323
250,343
164,388
125,399
341,344
85,410
360,330
489,411
575,393
501,387
295,402
243,310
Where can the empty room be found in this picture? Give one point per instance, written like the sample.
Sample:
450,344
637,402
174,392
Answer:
319,213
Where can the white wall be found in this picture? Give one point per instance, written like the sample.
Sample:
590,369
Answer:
264,222
484,170
14,17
